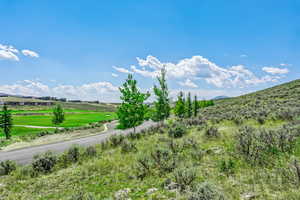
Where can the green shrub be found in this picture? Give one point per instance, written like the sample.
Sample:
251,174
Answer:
206,191
91,151
6,167
257,145
177,131
116,140
175,146
44,163
73,154
127,146
27,171
184,177
197,154
164,160
212,132
227,166
143,166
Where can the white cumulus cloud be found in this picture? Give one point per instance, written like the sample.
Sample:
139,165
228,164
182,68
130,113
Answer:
188,83
275,70
114,75
198,67
122,70
8,53
30,53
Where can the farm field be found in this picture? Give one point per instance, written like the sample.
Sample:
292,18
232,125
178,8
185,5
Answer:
76,114
72,120
24,131
48,111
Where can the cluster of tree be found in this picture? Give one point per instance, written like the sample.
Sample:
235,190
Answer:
133,109
186,107
206,103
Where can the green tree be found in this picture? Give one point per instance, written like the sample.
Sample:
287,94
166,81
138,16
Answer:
195,106
162,105
189,108
6,121
132,111
58,115
179,109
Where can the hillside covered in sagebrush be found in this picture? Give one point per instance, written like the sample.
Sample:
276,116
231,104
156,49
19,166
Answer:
246,147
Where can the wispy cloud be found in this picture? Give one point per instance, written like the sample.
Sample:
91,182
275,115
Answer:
114,75
30,53
8,52
122,70
275,70
188,83
243,56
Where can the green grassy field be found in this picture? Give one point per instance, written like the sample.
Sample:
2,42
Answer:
23,131
48,111
72,120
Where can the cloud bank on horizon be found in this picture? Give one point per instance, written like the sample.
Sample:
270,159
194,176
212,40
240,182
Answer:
185,73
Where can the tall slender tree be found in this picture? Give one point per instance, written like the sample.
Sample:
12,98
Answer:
189,109
132,111
162,105
195,106
179,109
58,115
6,121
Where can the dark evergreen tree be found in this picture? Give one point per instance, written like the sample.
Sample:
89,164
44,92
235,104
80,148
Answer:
189,109
195,106
162,105
6,121
58,115
179,109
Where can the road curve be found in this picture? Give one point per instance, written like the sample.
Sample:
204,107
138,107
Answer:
25,156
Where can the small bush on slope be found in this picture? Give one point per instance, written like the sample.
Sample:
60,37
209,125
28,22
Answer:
177,130
44,163
6,167
206,191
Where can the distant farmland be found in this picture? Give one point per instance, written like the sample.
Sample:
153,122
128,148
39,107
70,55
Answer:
72,120
77,114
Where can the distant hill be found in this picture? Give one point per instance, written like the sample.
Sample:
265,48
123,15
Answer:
220,97
3,95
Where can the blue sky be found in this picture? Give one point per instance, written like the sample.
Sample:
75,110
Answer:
210,47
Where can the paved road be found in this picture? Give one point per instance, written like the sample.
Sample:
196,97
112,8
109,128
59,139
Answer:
24,156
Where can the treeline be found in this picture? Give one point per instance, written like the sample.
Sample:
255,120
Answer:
185,108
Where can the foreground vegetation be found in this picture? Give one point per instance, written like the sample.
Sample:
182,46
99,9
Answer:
241,148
